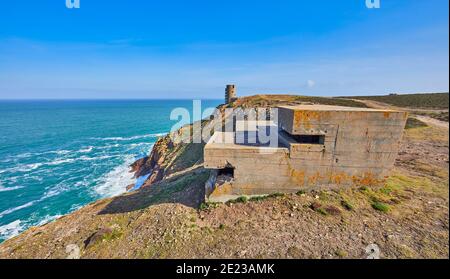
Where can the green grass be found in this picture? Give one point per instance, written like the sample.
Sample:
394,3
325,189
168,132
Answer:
208,205
258,198
381,206
301,192
431,100
275,195
347,205
341,253
442,116
242,199
414,123
322,211
262,198
114,235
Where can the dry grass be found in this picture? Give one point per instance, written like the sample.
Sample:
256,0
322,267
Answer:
431,100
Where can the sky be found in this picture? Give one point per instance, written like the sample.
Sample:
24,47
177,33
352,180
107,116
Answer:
145,49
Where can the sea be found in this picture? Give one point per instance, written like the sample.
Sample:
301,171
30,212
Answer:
58,155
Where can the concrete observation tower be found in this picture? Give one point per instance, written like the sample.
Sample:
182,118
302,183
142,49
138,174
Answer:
230,93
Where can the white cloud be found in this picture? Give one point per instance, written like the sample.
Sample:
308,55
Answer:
311,83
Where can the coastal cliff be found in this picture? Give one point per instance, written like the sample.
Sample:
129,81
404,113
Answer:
167,217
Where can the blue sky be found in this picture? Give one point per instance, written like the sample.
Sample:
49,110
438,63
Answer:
191,49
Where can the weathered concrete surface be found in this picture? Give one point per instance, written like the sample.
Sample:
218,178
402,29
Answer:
230,93
359,147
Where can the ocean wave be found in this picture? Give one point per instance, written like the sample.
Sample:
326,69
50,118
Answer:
134,145
86,150
14,209
16,227
131,138
28,167
10,230
59,162
108,146
7,189
34,166
47,219
23,155
59,152
55,192
82,158
115,182
29,154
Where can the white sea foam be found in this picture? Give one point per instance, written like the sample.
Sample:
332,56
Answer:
115,182
61,161
59,152
10,230
7,189
29,167
47,219
108,146
33,166
29,154
23,168
75,207
133,145
15,228
86,150
55,191
14,209
132,138
23,155
85,158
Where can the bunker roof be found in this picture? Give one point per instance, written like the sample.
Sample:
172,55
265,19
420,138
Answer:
332,108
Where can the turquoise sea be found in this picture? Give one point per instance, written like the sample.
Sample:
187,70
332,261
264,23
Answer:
56,156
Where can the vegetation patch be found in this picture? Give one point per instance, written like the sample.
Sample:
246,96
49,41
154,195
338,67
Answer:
242,199
276,195
102,235
301,193
347,205
430,100
381,206
208,205
429,133
442,116
414,123
325,209
401,183
341,253
258,198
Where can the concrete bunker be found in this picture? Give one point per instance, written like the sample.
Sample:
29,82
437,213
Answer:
318,146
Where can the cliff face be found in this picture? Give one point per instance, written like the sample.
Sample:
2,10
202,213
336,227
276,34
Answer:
168,157
167,218
153,164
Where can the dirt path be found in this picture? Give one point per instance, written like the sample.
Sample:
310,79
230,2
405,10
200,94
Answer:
432,122
426,119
